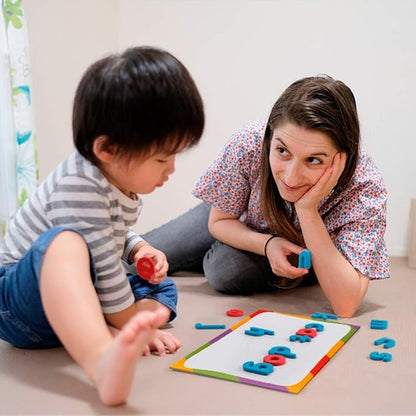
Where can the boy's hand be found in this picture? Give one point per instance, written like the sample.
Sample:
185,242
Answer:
159,259
163,343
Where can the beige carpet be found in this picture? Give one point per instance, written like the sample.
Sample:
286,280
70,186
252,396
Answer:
48,383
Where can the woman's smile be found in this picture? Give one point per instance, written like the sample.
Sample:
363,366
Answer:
298,157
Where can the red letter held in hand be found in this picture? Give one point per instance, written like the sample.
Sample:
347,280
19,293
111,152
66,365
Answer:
146,268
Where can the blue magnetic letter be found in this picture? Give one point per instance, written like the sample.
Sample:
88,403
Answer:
378,324
318,327
388,342
263,369
285,351
305,259
383,356
300,338
258,332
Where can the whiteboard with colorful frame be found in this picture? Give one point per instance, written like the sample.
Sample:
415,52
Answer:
270,334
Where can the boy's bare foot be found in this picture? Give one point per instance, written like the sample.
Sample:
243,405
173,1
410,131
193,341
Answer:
116,366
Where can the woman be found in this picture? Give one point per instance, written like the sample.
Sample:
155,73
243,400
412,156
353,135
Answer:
297,181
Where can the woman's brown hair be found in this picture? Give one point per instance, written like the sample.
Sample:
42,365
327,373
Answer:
318,103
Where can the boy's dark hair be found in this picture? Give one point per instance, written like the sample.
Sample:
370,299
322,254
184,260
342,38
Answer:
143,99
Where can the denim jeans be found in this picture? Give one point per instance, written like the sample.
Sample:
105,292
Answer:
23,322
189,246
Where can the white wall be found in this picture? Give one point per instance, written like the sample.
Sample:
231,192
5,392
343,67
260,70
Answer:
65,36
242,54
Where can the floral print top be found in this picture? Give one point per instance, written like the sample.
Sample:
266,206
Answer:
354,215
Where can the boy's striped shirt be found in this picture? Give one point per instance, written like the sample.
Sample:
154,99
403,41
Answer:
77,195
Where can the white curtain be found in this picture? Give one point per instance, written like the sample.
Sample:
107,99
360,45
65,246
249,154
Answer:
18,165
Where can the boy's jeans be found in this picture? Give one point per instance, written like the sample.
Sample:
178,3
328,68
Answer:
22,319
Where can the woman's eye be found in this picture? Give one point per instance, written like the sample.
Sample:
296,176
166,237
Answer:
314,161
282,151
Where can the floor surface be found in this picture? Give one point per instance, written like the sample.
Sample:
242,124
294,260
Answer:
48,382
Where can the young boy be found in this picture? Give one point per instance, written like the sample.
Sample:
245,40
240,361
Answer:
62,280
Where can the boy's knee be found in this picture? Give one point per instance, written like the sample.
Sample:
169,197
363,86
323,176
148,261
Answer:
67,239
58,244
169,289
167,294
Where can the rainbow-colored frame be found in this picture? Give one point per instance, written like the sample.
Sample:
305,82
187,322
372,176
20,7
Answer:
217,358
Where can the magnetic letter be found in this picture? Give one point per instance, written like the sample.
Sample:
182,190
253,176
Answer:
310,332
318,327
383,356
263,369
274,359
285,351
388,342
258,332
300,338
378,324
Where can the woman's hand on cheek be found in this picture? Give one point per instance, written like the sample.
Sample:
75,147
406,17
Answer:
325,184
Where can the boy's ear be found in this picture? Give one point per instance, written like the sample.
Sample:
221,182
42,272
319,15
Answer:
104,151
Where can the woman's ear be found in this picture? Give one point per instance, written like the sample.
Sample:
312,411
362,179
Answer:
103,150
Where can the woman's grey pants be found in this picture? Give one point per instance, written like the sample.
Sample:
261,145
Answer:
189,246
